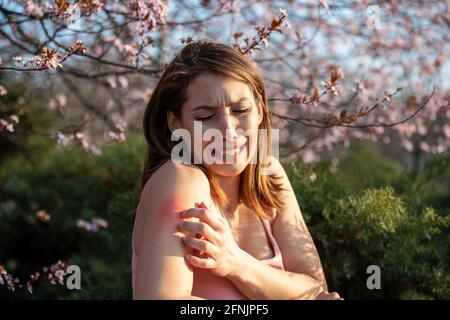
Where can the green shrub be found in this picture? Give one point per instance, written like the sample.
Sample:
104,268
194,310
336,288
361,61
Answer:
374,227
70,185
387,221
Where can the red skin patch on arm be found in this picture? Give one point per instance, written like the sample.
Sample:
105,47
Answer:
168,216
168,213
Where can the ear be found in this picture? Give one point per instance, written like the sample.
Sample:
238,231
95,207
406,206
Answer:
172,121
260,112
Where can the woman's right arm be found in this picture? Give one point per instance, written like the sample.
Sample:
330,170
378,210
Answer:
161,271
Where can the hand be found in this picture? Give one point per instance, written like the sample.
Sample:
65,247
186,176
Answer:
219,251
328,296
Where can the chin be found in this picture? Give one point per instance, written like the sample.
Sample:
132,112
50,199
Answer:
227,170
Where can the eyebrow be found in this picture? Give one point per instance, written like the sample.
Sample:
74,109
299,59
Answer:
215,107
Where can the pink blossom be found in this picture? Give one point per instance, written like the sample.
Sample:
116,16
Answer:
111,80
101,223
49,58
95,150
65,12
57,272
62,139
130,50
61,99
33,9
81,139
123,81
93,226
3,91
14,118
424,147
119,134
148,13
446,130
329,87
29,287
8,279
407,145
298,97
309,156
312,177
9,123
91,6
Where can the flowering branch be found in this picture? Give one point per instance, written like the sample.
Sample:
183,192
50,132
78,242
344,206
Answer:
48,59
54,274
263,34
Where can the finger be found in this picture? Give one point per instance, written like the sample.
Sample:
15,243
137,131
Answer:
204,215
207,263
328,296
334,295
201,228
201,245
337,297
323,295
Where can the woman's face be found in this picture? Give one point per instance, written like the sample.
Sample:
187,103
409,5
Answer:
222,114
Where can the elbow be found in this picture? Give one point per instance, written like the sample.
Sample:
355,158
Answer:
165,296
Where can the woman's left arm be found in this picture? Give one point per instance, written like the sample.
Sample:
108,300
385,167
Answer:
304,277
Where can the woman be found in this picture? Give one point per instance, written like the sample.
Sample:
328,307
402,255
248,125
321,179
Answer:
217,229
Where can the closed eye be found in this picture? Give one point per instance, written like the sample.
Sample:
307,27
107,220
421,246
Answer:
204,118
241,110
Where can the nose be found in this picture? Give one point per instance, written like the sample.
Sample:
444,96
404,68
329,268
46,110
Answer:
228,126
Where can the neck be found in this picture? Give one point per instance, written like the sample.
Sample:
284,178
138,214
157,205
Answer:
230,185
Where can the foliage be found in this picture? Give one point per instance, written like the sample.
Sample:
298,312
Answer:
70,184
352,227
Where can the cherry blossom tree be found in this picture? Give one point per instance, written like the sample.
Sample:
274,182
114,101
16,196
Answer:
335,71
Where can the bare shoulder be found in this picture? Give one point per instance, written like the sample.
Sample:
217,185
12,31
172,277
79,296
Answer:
277,171
276,167
175,175
185,181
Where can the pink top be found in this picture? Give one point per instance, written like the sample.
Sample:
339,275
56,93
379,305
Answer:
209,286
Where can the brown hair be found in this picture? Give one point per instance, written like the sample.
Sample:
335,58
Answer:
258,191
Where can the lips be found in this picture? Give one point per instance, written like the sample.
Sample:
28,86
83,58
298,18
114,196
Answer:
231,153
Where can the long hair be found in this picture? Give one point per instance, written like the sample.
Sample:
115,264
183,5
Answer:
258,191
